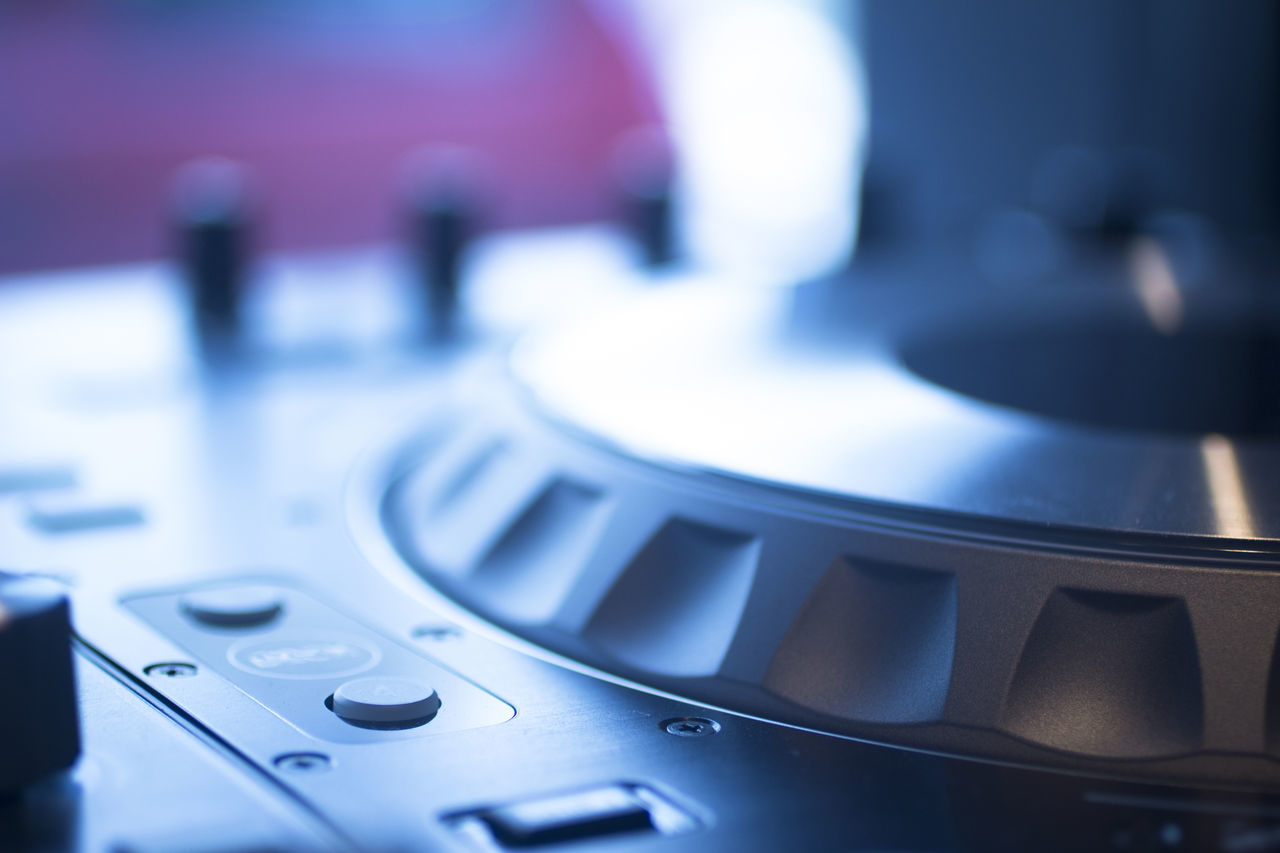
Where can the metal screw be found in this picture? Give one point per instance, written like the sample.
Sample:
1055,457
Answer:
171,670
436,633
303,762
691,727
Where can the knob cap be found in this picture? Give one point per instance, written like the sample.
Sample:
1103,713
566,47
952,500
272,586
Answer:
211,202
443,200
644,168
38,718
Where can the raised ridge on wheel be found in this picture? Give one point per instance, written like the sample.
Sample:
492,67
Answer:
873,642
676,606
1109,674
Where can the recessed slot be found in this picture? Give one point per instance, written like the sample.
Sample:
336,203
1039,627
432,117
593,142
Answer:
576,816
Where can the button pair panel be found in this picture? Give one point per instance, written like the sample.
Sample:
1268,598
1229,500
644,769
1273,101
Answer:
322,671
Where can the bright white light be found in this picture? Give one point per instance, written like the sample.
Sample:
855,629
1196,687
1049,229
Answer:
768,112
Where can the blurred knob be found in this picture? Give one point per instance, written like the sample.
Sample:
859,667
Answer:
444,203
38,716
644,168
1100,194
211,206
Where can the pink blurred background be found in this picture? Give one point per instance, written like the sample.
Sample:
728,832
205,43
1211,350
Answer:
101,101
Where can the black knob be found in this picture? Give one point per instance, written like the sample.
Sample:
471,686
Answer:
38,718
1101,195
211,201
444,203
644,169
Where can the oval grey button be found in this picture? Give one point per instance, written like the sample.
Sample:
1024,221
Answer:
385,700
233,607
304,654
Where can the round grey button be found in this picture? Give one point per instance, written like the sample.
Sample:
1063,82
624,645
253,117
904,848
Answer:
233,607
385,700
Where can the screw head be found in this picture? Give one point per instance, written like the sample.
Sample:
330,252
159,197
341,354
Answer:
170,669
691,726
303,762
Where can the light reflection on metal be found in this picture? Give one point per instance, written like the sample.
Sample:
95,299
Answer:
710,375
817,415
1230,504
1155,285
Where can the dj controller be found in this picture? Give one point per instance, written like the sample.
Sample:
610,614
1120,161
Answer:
328,593
552,539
